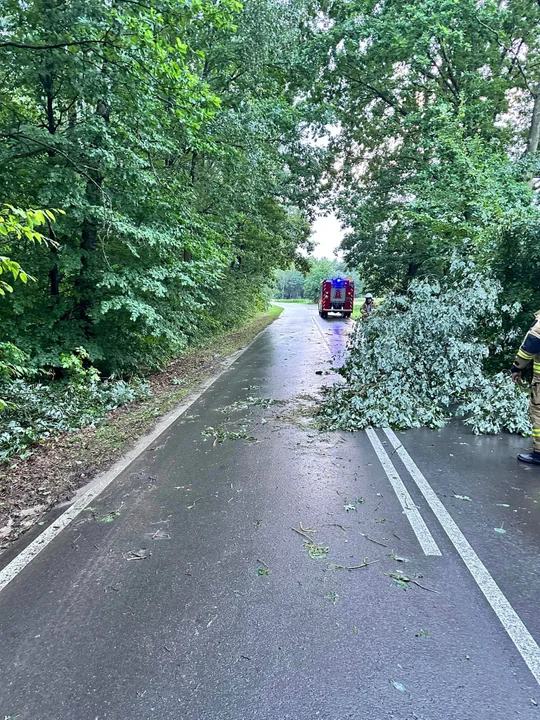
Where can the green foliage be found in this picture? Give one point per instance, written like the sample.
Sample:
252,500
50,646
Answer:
171,134
292,283
437,149
34,409
20,224
12,361
289,284
419,359
496,405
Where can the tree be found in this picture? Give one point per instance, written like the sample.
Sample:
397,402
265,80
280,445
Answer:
439,111
289,284
436,167
171,134
19,224
417,361
325,268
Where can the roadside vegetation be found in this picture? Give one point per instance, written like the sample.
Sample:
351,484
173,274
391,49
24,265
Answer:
438,108
154,176
64,461
162,162
293,284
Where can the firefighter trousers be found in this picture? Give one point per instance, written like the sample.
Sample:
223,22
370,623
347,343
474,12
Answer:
534,413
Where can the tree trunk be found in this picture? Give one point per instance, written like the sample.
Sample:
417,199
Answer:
192,168
54,273
534,129
47,84
89,234
54,277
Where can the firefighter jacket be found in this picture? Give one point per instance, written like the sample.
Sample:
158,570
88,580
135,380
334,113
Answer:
530,350
367,310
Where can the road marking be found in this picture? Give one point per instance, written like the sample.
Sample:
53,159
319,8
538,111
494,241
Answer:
510,620
325,341
425,538
103,480
421,530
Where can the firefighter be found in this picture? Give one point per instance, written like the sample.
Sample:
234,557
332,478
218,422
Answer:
527,353
368,306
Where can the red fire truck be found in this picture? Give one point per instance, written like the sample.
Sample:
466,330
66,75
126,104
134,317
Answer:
337,295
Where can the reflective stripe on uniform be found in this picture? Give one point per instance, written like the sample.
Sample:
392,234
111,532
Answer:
525,355
536,368
536,432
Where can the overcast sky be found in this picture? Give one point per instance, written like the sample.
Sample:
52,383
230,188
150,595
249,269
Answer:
327,234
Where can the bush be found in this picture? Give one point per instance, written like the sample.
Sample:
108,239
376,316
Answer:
34,409
419,360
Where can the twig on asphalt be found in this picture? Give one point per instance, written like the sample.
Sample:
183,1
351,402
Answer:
263,563
424,587
374,541
307,530
142,554
303,534
189,507
354,567
160,535
342,527
405,579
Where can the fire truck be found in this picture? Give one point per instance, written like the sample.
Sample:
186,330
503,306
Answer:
337,295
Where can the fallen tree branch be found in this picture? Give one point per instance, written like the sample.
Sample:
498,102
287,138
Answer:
374,541
303,534
353,567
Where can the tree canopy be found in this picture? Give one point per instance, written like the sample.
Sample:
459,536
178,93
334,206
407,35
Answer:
189,143
438,104
170,132
293,284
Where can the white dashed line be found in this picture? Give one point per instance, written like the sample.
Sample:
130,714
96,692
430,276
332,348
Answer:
509,618
421,530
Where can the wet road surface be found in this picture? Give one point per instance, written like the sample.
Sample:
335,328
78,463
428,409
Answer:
183,592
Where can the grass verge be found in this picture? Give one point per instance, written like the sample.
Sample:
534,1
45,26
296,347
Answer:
303,301
61,465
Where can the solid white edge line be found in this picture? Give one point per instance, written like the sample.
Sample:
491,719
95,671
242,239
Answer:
512,623
103,480
421,530
319,328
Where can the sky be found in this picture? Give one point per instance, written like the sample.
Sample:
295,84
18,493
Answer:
327,233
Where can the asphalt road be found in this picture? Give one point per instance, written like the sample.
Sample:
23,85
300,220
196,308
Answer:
183,593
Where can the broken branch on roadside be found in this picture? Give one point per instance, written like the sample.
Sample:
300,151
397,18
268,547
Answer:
353,567
374,541
341,527
300,532
403,580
